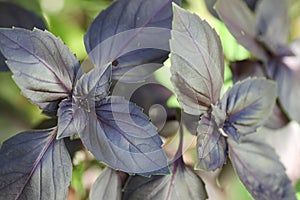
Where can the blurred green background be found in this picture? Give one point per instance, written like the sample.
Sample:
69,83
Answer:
69,20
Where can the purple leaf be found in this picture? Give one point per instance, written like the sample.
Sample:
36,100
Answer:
285,141
182,184
43,67
249,68
272,24
94,85
71,119
197,62
210,6
3,66
241,23
211,145
72,114
12,15
34,166
260,170
248,104
288,81
107,186
119,134
134,35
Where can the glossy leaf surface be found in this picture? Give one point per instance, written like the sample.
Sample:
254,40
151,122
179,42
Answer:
43,67
121,34
34,166
119,134
241,23
197,62
182,184
211,145
107,186
260,170
248,104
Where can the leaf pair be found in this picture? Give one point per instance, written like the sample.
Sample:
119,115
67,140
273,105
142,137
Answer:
265,34
197,74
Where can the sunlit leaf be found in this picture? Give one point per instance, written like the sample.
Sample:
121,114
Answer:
182,184
34,166
248,104
241,23
134,35
211,145
107,186
42,65
119,134
260,170
197,62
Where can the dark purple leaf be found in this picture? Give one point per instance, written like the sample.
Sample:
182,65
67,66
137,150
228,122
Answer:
191,122
210,6
248,105
182,184
288,81
34,166
119,134
43,67
249,68
277,119
72,114
3,66
197,62
153,99
12,15
241,23
260,170
272,19
134,35
211,145
93,86
71,119
107,186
